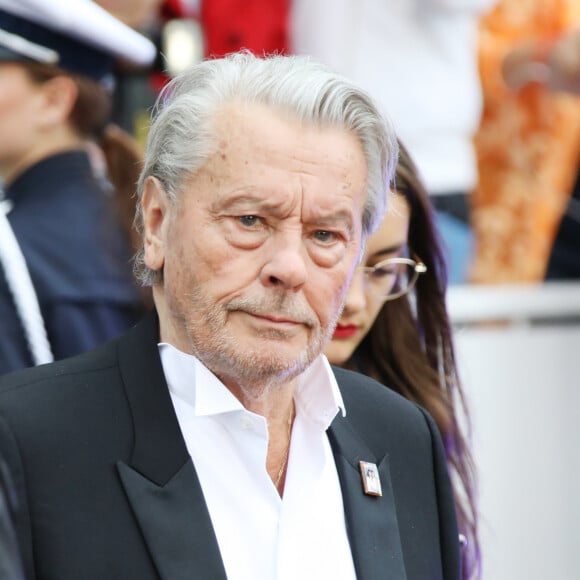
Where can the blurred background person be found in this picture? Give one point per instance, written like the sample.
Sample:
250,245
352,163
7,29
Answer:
419,58
138,14
528,144
395,328
136,88
63,169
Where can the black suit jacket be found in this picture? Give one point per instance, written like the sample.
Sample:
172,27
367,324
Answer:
10,564
108,491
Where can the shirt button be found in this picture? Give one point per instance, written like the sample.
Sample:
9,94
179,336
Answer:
246,423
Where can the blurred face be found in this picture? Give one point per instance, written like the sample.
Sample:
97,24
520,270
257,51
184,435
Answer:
21,104
135,13
258,254
362,306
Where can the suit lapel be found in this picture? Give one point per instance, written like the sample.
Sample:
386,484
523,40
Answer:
160,480
371,521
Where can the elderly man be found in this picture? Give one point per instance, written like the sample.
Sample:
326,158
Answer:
214,440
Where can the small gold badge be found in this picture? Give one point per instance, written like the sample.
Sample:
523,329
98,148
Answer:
370,478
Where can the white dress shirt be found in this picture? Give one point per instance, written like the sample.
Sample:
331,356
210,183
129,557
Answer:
260,535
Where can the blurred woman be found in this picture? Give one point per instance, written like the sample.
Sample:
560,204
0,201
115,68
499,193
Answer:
65,283
404,339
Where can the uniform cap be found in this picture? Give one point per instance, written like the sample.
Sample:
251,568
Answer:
76,35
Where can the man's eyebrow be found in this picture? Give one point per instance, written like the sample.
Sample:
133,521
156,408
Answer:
344,219
243,198
331,216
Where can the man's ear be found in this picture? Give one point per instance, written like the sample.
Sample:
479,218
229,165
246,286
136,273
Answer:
59,97
155,208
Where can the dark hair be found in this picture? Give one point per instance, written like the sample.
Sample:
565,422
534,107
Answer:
92,109
410,348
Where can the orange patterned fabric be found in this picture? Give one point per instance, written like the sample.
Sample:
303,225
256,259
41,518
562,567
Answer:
528,148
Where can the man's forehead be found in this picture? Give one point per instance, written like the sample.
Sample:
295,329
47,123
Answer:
307,152
284,163
241,120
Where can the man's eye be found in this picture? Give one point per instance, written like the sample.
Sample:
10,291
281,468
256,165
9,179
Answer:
249,220
325,236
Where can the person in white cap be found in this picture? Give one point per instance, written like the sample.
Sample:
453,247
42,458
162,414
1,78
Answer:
65,278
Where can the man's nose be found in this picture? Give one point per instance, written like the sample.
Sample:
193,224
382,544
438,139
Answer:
286,264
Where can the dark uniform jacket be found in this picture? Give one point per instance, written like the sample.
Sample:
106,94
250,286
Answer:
77,256
108,490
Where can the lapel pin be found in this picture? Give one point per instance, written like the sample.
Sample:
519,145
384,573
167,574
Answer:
370,478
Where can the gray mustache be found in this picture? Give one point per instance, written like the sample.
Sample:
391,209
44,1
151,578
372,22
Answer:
282,307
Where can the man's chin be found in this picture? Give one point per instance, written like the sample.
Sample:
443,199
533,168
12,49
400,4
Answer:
252,368
276,361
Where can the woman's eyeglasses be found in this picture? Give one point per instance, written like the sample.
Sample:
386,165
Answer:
393,277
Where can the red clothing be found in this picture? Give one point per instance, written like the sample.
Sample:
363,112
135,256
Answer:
261,26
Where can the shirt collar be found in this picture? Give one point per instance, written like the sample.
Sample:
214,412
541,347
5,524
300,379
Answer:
317,396
190,380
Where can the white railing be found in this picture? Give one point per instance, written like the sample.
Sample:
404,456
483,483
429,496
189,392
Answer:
524,302
519,356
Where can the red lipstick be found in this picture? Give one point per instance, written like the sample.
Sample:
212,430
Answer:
345,331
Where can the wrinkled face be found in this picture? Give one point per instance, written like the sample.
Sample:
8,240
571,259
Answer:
258,253
362,306
21,107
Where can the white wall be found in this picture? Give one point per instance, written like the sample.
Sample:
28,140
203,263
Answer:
522,378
